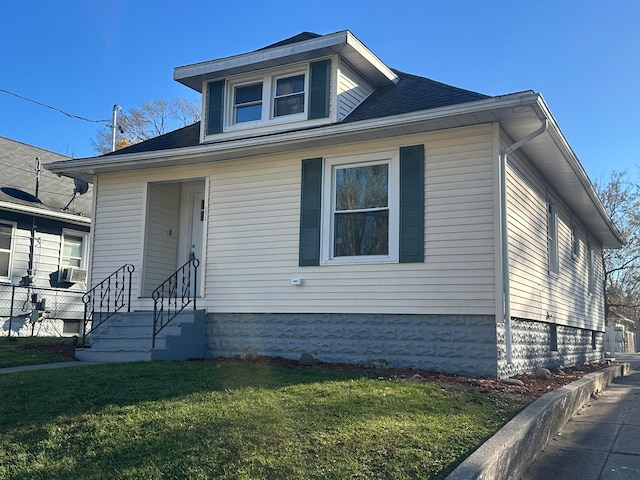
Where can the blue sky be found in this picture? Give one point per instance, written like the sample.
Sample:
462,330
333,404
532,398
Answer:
84,56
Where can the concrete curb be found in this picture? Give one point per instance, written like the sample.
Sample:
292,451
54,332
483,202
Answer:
508,453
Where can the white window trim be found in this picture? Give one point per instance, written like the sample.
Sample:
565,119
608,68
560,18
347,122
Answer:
591,267
552,236
85,249
575,240
268,81
12,247
392,158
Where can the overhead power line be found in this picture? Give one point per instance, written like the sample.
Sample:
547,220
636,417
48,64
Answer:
77,117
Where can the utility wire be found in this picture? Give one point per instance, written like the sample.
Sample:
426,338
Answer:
54,108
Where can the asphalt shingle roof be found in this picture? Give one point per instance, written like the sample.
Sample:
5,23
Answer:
411,93
18,174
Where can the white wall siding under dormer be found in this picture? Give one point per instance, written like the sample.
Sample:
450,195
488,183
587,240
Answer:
352,90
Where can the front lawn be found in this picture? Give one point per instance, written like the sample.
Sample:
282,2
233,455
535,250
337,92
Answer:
205,420
17,351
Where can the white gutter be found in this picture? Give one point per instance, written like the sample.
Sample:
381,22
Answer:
506,301
140,160
68,217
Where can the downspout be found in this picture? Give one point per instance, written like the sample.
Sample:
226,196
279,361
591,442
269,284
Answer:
506,302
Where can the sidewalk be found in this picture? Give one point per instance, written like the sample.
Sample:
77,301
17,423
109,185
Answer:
602,441
45,366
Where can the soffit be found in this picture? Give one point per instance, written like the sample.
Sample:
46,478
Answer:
343,43
518,114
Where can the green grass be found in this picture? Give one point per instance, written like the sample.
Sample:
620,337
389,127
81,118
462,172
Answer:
200,420
12,356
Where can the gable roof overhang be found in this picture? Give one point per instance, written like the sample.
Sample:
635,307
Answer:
519,114
343,43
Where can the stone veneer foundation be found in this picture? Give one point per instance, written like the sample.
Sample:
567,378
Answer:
531,346
463,344
471,345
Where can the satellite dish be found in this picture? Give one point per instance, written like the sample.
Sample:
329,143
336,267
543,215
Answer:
81,186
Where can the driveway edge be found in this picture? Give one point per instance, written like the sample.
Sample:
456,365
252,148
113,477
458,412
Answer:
514,447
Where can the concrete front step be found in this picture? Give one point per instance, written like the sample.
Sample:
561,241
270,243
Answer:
91,355
127,337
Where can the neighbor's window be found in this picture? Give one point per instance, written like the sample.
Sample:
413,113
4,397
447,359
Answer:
6,243
289,96
552,236
73,250
362,219
247,103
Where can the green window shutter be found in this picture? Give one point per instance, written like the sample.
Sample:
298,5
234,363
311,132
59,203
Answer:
310,208
412,204
215,95
320,74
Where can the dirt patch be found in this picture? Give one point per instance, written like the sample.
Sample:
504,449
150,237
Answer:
65,348
532,387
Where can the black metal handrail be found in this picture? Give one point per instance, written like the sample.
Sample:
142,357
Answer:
107,298
174,295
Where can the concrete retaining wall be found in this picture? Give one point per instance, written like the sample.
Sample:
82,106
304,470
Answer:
514,447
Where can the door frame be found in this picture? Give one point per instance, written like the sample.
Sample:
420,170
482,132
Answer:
188,189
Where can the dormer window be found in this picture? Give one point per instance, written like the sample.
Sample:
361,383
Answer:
247,104
275,98
289,97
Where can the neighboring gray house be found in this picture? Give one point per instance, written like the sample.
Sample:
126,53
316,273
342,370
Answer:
44,242
357,213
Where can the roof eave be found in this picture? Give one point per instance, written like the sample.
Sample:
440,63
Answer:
508,110
344,43
39,212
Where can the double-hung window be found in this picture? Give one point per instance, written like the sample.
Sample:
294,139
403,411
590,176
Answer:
247,103
575,241
289,96
6,247
591,271
267,99
361,223
366,208
73,260
552,236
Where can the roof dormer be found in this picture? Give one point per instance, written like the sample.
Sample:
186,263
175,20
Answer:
304,81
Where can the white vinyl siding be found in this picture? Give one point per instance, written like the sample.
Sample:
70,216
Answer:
117,224
536,295
352,90
254,228
253,225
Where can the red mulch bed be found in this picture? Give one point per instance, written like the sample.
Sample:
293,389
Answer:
533,387
66,348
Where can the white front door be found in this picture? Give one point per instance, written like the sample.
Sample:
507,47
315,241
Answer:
192,219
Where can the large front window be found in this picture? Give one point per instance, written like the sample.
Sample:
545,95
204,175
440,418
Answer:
361,215
361,221
6,242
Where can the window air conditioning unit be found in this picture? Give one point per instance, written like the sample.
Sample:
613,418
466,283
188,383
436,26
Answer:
73,275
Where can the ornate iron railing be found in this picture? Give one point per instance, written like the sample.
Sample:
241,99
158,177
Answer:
107,298
174,295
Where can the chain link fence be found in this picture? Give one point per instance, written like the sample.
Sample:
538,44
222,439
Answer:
39,311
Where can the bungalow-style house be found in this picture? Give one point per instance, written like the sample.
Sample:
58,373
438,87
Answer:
343,209
44,243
